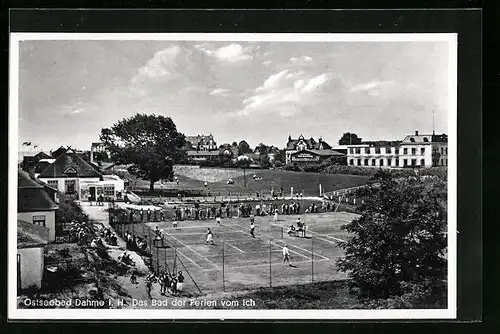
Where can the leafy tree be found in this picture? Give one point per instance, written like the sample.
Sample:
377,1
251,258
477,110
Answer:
398,244
265,162
150,143
234,144
243,163
243,147
262,149
280,156
349,139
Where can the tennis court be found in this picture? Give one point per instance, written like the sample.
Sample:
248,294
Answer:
237,261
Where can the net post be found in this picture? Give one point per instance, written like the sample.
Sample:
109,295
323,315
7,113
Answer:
157,260
282,232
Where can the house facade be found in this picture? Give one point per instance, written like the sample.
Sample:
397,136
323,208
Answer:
31,240
35,205
308,151
413,151
69,172
202,142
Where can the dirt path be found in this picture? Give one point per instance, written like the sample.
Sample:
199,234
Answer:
98,214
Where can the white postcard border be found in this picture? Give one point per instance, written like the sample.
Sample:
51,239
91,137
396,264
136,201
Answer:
15,313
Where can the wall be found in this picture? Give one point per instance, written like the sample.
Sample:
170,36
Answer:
61,182
385,154
31,266
50,220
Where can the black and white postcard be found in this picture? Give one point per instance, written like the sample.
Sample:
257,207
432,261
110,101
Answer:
233,176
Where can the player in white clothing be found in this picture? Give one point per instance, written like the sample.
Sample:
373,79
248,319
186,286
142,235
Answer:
286,256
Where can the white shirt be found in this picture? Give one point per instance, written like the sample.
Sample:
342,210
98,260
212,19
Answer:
285,251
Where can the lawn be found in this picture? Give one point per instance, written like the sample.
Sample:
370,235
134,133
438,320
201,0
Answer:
193,178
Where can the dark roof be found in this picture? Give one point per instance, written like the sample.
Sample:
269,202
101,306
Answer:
43,155
41,165
202,153
31,196
97,144
70,165
323,153
200,139
311,144
31,235
381,143
58,152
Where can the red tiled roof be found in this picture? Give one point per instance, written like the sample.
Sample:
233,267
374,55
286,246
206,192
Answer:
70,161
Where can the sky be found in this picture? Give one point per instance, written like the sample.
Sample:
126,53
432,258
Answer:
253,91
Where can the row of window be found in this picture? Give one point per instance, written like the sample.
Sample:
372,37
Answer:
352,150
406,162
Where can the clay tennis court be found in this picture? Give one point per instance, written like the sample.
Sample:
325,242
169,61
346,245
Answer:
239,262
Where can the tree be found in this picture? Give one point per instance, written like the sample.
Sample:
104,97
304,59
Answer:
243,147
398,244
280,156
234,144
265,162
350,139
262,149
150,143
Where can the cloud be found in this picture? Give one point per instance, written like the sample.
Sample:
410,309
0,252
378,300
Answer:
284,93
231,53
266,62
162,64
301,60
219,91
370,85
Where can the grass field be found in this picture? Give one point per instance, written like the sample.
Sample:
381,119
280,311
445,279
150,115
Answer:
193,178
239,262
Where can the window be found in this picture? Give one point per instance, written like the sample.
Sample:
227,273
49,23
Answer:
422,150
397,163
351,150
109,191
413,162
446,162
367,150
413,151
351,162
396,151
412,139
359,162
405,162
442,150
366,162
446,150
373,162
358,151
426,140
39,220
377,150
422,162
405,150
53,183
69,186
381,162
389,162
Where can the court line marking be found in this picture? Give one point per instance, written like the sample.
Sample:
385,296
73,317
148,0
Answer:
187,246
277,263
312,232
241,251
189,259
281,246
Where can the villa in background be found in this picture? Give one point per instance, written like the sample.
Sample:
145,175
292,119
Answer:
201,148
413,151
309,151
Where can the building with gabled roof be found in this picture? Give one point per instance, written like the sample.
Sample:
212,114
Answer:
35,204
309,151
69,172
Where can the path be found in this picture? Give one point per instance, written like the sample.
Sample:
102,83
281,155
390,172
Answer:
138,292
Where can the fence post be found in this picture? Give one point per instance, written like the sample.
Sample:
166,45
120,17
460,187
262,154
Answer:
157,260
223,269
270,274
312,259
281,232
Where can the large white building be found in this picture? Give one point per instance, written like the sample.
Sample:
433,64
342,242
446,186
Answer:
413,151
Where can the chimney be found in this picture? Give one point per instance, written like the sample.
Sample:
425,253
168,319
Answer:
416,132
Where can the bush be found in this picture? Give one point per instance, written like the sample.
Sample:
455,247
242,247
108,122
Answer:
294,167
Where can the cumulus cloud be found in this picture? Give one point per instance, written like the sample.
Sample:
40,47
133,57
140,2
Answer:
162,64
284,92
219,91
370,85
231,53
